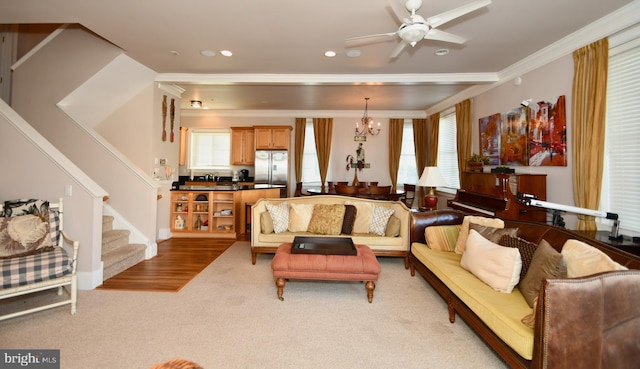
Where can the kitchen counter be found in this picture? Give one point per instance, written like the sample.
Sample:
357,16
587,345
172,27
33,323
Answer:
228,187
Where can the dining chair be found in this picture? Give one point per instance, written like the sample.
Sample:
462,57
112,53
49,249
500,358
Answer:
380,192
342,183
409,194
342,189
330,186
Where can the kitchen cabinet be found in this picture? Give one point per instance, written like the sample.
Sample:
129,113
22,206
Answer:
242,146
203,214
272,137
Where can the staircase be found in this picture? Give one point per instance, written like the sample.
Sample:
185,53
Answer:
117,253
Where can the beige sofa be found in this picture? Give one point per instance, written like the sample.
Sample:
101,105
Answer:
267,241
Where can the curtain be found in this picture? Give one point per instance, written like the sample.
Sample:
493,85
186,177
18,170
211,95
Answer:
588,126
322,128
420,144
301,126
396,127
432,143
464,128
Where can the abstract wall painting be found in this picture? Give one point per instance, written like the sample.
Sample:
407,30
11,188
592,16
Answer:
514,135
490,138
548,133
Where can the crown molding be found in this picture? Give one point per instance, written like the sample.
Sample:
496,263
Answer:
352,114
172,89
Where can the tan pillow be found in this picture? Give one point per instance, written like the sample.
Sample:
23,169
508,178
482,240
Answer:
364,213
299,217
464,230
546,263
326,219
495,265
583,259
266,222
530,319
393,227
442,237
493,234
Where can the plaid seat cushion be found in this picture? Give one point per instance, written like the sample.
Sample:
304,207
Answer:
20,271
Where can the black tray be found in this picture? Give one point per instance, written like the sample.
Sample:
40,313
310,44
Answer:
323,245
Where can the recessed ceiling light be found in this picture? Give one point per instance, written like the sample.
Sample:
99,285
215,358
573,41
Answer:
353,53
207,53
196,103
330,54
226,53
441,52
173,52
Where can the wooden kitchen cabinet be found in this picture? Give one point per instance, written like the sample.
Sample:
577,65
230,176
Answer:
242,146
272,137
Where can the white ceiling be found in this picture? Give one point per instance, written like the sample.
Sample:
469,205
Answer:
278,46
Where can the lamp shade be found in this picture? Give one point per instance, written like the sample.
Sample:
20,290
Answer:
431,177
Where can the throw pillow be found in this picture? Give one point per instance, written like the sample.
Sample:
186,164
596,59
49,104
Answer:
299,217
526,248
493,234
22,207
583,259
379,219
393,227
464,230
24,234
546,263
280,215
326,219
266,222
363,216
497,266
530,319
349,220
443,237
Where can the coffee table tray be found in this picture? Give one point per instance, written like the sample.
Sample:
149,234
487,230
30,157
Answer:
323,245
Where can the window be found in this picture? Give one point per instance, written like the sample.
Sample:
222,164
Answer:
210,149
448,149
621,169
407,172
310,168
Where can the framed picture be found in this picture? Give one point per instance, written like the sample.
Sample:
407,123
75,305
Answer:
514,135
548,133
489,129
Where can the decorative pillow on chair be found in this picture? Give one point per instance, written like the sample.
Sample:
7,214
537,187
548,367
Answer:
379,219
327,219
24,235
22,207
443,237
280,215
583,259
350,213
299,217
464,230
546,263
495,265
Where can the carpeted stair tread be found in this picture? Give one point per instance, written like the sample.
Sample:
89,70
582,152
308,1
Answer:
122,258
113,239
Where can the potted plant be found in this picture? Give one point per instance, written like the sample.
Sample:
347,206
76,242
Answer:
477,161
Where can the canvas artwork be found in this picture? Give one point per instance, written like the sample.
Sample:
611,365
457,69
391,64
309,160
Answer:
548,133
490,138
514,134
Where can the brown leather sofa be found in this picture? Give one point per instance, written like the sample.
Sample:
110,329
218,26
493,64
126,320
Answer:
600,331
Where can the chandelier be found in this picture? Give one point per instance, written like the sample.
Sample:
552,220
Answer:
367,123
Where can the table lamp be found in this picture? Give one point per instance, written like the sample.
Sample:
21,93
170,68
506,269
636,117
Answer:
431,177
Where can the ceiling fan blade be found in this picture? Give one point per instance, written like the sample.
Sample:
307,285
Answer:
398,50
447,16
356,41
438,35
399,11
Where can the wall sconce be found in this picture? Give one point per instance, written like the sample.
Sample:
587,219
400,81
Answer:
431,177
367,123
196,103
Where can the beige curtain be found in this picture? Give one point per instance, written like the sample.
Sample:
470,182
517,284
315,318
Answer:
301,127
432,143
396,126
322,128
420,143
464,128
588,126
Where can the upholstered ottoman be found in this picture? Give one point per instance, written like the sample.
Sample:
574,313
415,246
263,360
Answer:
360,267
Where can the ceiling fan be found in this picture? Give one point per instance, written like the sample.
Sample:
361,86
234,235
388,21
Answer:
414,28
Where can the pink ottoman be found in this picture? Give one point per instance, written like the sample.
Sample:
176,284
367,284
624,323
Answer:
361,267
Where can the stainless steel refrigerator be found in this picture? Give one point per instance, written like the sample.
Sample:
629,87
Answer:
271,166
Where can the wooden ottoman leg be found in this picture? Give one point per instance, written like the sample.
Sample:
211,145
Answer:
280,282
371,285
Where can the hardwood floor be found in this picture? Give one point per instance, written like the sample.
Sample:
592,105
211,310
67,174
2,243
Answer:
178,261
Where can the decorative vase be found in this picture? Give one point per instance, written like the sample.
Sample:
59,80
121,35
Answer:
355,178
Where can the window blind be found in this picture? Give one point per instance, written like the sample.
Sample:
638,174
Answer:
209,149
447,149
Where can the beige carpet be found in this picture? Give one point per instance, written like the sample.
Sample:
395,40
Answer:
229,317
